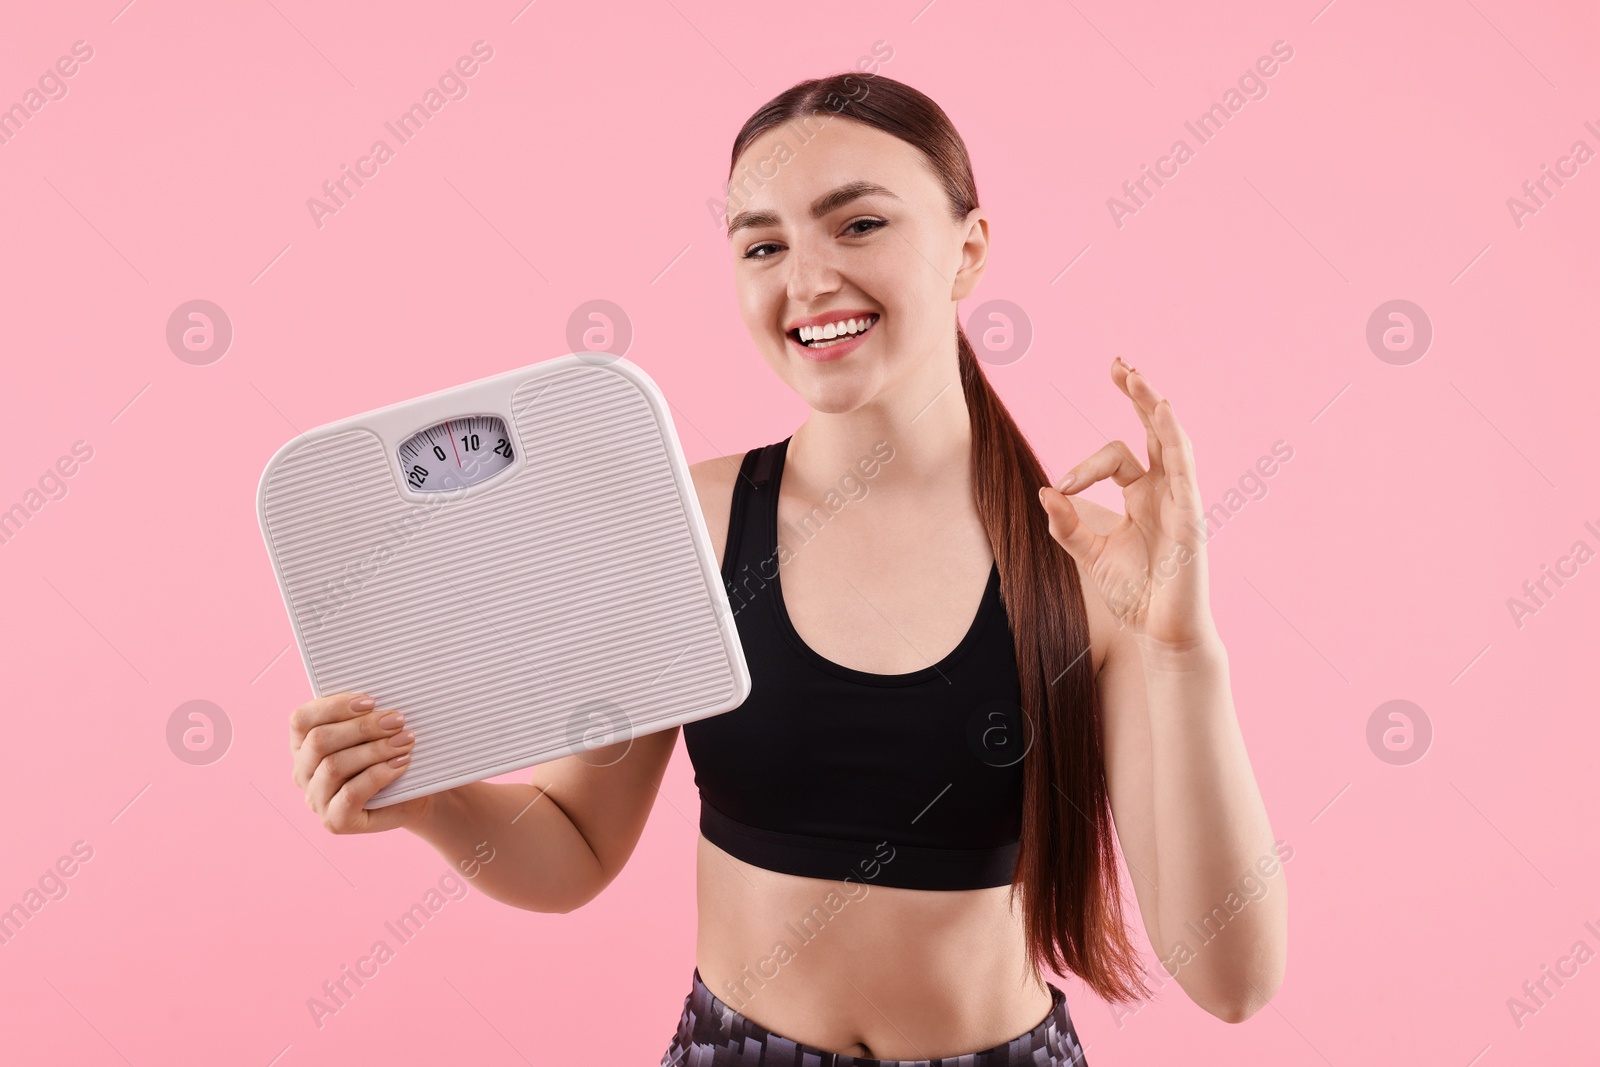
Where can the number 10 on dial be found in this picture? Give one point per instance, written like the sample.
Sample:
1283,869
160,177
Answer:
455,453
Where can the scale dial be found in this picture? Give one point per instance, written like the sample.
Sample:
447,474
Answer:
455,453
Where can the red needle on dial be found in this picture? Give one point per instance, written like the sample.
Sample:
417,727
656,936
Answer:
452,442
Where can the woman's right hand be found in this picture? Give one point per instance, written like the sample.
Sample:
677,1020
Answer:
345,750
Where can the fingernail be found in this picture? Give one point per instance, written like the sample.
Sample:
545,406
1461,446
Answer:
405,738
1065,482
399,761
362,704
392,721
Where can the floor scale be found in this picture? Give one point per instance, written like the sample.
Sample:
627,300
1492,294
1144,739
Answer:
519,564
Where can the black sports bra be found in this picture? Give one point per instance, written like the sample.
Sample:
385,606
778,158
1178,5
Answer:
825,771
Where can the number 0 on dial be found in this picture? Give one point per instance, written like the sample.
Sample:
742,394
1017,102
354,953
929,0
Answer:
455,453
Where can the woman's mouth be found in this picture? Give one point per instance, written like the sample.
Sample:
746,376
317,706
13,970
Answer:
834,339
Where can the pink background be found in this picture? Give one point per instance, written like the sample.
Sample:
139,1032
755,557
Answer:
1377,566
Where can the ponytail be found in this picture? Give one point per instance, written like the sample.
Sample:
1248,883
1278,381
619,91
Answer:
1066,866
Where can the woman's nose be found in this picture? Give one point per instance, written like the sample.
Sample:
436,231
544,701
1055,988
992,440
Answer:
810,274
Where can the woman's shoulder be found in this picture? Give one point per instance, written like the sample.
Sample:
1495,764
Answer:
713,485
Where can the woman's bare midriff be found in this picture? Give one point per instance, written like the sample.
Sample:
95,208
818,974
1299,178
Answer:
865,969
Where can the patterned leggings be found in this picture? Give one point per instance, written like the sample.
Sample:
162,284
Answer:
712,1034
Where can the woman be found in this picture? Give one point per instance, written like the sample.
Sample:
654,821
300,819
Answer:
963,677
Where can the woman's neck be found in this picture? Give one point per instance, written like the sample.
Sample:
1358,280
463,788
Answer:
924,420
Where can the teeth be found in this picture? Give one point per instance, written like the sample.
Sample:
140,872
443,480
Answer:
841,328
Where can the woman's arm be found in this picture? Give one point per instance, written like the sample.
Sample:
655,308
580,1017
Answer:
1193,829
554,844
1205,868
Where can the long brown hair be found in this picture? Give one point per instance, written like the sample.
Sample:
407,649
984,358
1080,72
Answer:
1066,865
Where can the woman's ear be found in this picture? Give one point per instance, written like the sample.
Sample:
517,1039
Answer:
974,254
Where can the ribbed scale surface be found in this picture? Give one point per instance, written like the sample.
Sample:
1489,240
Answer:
546,615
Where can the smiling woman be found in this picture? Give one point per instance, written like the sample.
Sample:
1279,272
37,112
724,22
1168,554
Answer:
849,263
947,687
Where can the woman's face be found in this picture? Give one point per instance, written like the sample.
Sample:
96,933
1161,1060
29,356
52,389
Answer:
849,224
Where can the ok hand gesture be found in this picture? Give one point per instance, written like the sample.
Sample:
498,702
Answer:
1150,569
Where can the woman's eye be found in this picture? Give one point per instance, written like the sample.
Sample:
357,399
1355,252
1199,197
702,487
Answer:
754,252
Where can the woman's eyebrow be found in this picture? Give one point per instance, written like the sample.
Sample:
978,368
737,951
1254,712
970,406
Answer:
822,205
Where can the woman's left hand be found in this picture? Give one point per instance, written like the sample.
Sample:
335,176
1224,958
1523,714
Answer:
1150,569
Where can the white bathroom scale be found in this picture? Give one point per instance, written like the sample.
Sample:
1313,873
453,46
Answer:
519,564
